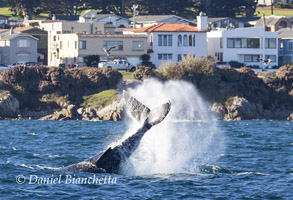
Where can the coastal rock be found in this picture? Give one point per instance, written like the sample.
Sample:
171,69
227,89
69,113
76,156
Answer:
290,118
219,109
142,73
9,105
111,112
241,109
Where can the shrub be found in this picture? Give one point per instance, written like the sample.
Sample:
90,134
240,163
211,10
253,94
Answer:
91,58
236,64
145,57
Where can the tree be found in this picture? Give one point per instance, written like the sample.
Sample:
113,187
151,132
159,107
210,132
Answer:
25,8
91,58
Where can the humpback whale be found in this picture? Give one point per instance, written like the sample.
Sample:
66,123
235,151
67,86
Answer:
109,161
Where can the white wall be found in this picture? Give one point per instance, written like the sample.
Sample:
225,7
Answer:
237,54
200,48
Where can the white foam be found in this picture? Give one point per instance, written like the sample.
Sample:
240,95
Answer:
186,139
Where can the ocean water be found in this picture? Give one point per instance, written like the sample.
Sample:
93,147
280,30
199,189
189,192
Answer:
244,160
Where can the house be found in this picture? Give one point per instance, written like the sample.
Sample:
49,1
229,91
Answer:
56,28
245,45
4,21
286,46
74,47
172,42
17,47
42,35
148,20
273,23
115,20
224,22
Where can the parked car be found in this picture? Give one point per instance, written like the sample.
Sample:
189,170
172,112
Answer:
147,64
26,64
3,67
223,63
16,64
118,64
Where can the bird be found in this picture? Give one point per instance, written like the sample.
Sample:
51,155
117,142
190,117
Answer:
108,51
265,61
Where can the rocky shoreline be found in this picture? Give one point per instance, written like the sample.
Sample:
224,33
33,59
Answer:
43,93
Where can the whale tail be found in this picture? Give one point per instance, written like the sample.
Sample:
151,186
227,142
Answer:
142,113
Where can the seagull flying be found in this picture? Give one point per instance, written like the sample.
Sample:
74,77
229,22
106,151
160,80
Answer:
108,51
266,61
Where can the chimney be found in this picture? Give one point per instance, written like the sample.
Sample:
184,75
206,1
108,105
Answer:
202,21
53,17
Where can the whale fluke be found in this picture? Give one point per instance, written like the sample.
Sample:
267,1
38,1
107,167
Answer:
109,161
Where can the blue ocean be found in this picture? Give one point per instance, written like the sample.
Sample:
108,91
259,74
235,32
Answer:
247,160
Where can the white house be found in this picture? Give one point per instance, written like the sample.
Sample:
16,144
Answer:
148,20
246,45
172,42
115,20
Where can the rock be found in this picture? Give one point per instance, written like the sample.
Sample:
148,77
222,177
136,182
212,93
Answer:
9,105
142,73
111,112
290,118
219,109
241,109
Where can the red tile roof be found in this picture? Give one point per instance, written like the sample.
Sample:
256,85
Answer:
167,28
110,36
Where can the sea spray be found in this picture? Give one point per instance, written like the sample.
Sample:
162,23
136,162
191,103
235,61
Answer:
187,139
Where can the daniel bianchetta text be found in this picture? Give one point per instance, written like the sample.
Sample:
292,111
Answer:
66,179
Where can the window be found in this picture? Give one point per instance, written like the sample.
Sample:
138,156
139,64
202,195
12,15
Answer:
165,56
68,44
185,40
272,57
82,44
180,57
290,46
60,44
137,46
165,40
194,40
75,44
23,43
270,43
243,43
80,59
54,38
251,58
117,44
221,43
179,40
190,40
230,43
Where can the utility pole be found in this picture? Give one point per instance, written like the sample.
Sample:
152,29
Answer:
272,7
134,7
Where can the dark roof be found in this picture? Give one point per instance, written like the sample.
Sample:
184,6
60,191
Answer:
285,33
211,20
248,19
67,17
148,18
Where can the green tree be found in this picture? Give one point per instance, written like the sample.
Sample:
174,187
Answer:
91,58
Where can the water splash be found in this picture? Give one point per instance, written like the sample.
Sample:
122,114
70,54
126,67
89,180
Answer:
185,140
